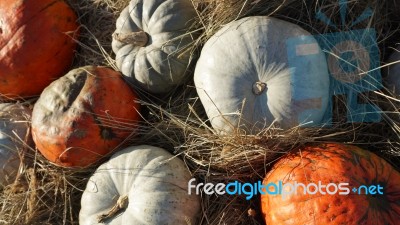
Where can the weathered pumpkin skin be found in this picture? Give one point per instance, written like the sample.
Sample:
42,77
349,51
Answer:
254,50
160,64
14,136
34,47
333,163
154,181
83,116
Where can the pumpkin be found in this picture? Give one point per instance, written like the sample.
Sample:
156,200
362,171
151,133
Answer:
333,163
139,185
14,137
150,42
36,44
83,116
392,79
260,70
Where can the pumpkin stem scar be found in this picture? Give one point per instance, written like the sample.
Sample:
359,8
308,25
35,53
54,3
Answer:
139,38
259,87
121,204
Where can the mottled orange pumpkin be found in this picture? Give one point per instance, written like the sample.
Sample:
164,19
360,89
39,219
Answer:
333,163
36,45
83,116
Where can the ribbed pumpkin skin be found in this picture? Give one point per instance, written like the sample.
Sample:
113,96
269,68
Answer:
155,183
81,116
334,163
255,50
161,64
34,47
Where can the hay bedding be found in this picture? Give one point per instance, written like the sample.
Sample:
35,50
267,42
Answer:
46,194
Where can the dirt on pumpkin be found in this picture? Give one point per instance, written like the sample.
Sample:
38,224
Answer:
46,194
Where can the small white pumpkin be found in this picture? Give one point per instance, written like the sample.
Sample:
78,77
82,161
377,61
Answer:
150,42
392,79
248,78
141,185
14,134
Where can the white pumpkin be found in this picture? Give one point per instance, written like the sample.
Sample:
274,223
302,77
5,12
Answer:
14,134
142,185
260,70
392,79
150,42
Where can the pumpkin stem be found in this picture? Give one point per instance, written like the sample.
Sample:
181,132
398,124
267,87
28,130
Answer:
259,87
139,38
121,204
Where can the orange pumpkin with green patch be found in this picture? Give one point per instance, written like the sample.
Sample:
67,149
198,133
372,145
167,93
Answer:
83,116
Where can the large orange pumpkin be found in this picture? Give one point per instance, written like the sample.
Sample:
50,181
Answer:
333,163
83,116
36,44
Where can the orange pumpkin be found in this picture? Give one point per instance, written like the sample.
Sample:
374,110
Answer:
333,163
36,44
83,116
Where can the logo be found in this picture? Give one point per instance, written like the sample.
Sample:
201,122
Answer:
280,188
353,62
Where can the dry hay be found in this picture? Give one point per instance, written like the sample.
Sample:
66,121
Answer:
47,194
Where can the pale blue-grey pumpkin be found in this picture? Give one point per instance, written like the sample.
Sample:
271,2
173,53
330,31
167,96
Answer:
141,185
151,42
259,71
